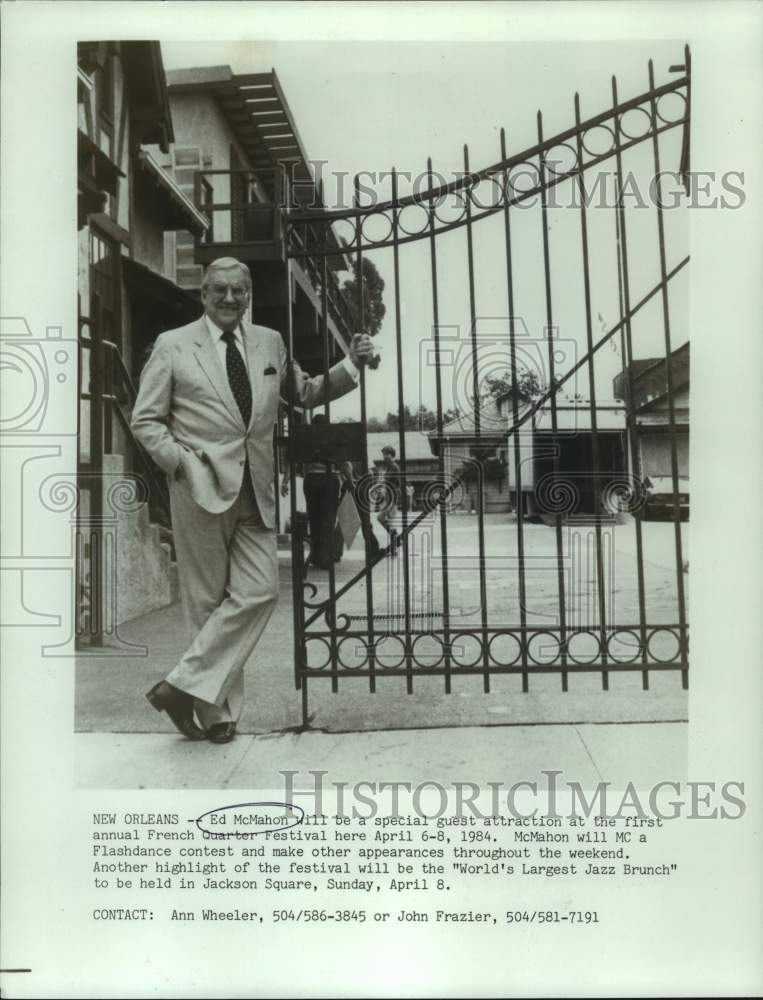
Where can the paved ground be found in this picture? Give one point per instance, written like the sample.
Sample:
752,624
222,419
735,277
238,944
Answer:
642,753
110,688
391,726
427,579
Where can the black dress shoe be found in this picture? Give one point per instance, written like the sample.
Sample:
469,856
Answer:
221,732
179,707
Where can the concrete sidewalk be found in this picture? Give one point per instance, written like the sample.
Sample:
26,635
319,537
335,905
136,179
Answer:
640,753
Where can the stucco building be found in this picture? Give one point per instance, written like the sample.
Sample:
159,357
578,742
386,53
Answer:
650,405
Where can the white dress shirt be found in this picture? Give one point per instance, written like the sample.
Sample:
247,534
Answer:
221,347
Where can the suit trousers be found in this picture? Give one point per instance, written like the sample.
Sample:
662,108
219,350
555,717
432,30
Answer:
228,569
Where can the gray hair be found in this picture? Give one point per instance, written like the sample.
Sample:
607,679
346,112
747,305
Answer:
225,264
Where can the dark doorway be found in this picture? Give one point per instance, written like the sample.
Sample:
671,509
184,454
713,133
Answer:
576,468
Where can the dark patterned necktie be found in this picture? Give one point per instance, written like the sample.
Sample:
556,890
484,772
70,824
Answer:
238,376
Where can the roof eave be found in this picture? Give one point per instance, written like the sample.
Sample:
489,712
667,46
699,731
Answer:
193,219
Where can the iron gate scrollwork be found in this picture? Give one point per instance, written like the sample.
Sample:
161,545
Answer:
456,606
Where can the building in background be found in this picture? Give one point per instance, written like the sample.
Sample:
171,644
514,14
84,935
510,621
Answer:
650,406
469,456
421,467
568,487
560,468
238,155
174,170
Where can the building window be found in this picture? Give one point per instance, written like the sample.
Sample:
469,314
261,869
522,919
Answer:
104,260
187,156
187,162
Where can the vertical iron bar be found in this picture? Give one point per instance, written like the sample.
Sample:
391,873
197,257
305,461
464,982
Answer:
403,481
592,402
671,396
686,144
305,704
108,386
79,547
620,296
109,565
277,470
515,421
280,184
198,237
78,539
628,362
554,423
330,612
365,514
97,589
297,551
440,444
477,425
632,458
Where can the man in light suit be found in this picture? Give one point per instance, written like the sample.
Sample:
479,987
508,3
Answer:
205,412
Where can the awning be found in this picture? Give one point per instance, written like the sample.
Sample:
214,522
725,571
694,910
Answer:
181,211
150,116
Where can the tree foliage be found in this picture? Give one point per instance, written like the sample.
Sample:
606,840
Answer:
422,419
368,282
500,385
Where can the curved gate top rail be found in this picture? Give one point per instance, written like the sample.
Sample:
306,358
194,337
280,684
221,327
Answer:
608,134
378,616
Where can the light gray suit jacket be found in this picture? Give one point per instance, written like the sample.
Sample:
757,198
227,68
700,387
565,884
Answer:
186,416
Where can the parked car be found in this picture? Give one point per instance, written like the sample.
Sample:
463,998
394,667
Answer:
659,502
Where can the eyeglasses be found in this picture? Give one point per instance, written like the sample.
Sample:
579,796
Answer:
219,291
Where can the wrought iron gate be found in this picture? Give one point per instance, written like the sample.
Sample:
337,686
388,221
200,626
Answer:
543,587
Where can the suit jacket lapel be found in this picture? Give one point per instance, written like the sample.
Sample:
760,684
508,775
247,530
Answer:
254,362
209,359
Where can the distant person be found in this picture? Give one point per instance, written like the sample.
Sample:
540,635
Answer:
392,495
321,485
648,489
